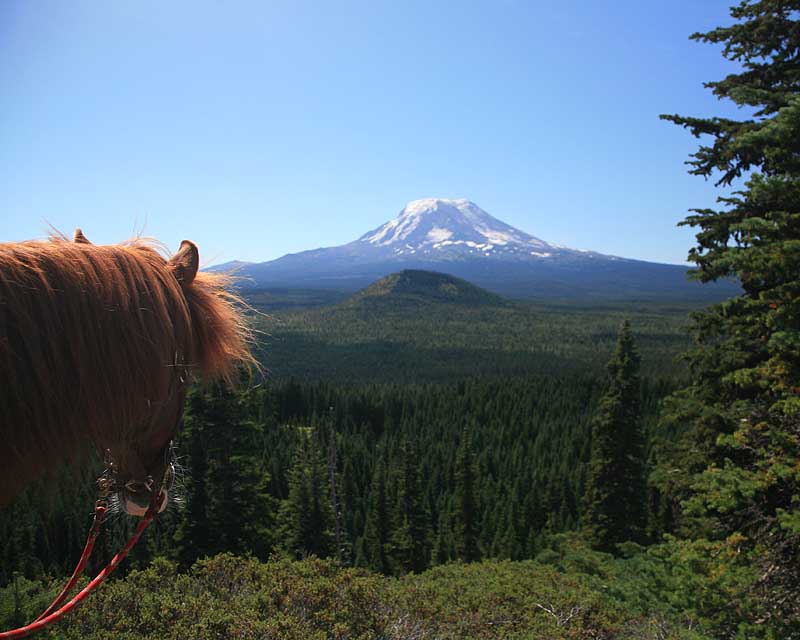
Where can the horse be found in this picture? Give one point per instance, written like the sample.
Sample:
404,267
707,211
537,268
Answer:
98,345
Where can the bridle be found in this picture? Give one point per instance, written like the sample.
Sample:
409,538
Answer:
108,483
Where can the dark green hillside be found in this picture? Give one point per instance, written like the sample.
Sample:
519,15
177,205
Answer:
416,287
393,337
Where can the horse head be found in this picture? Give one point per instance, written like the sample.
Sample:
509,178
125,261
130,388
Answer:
141,470
98,344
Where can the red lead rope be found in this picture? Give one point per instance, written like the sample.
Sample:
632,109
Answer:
51,614
100,509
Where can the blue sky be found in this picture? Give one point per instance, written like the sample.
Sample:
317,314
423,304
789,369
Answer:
262,128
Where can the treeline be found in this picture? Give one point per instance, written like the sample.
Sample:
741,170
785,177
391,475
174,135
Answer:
438,342
396,478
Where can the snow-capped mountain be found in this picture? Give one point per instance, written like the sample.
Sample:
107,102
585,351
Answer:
435,227
460,238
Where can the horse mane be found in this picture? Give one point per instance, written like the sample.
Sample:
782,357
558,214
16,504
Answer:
90,338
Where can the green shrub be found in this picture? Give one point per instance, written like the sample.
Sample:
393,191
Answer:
578,594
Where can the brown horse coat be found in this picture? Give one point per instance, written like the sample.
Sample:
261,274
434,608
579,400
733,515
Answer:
97,344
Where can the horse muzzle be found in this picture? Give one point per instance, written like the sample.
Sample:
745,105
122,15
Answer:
137,497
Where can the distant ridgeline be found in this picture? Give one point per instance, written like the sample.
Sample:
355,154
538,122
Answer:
459,238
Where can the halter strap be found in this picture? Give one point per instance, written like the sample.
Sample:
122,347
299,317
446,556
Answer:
53,614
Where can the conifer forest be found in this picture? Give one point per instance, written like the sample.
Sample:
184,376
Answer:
408,465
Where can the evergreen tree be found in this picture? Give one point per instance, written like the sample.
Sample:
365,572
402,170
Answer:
535,521
341,548
615,499
740,413
228,507
378,528
410,540
193,535
467,527
506,542
306,517
444,544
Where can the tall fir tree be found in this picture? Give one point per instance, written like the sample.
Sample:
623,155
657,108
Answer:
734,474
228,506
306,518
444,549
193,534
378,527
410,544
467,526
615,498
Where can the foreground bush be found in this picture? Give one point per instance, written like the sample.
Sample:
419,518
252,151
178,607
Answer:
232,597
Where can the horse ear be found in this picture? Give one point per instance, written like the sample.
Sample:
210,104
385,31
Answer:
79,237
185,263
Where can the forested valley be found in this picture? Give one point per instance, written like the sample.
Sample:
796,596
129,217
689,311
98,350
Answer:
407,464
392,478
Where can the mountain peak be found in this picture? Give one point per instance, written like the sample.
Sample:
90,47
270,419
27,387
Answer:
456,236
426,205
456,226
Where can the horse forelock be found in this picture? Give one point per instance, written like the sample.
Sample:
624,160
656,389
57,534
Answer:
94,339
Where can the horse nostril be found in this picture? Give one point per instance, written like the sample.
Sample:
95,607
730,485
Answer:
138,503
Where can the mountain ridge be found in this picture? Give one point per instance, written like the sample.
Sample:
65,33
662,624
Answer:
457,237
